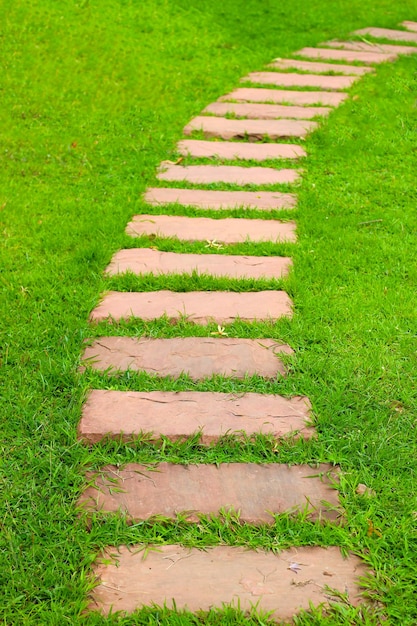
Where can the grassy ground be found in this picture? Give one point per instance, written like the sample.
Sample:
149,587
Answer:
94,96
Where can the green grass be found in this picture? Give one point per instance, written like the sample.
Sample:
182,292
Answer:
94,97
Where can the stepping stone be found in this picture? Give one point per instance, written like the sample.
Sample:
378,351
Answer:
265,111
387,33
234,150
320,68
258,492
246,94
228,230
147,260
371,47
199,307
205,174
335,83
410,26
250,129
179,415
197,580
346,55
199,357
215,200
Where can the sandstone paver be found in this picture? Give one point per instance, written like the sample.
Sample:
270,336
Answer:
332,83
283,583
320,68
239,150
178,415
226,230
199,357
346,55
206,174
410,26
256,94
252,129
146,260
387,33
256,491
200,307
266,111
378,48
216,200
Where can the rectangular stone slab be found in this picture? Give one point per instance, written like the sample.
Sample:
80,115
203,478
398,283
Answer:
320,68
226,230
197,580
179,415
199,357
251,129
410,26
346,55
247,94
387,33
332,83
146,260
378,48
238,150
206,174
216,200
199,307
258,492
265,111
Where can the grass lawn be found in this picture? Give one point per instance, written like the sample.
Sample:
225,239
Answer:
94,95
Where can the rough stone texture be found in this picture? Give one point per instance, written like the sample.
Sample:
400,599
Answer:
283,583
378,48
206,174
346,55
200,307
333,83
235,150
252,129
227,230
246,94
178,415
146,260
265,111
256,491
320,68
410,26
199,357
215,200
387,33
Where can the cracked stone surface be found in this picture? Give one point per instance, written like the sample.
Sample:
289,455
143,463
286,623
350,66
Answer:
247,94
258,492
226,230
375,48
239,150
387,33
265,111
146,260
199,357
215,200
178,415
312,66
346,55
283,583
253,129
206,174
332,83
200,307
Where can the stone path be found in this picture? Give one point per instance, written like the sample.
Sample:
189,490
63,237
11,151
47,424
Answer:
191,578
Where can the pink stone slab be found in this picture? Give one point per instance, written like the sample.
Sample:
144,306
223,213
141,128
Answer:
215,200
200,307
378,48
258,492
146,260
235,150
410,26
227,230
246,94
197,580
320,68
178,415
346,55
199,357
251,129
206,174
266,111
387,33
333,83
